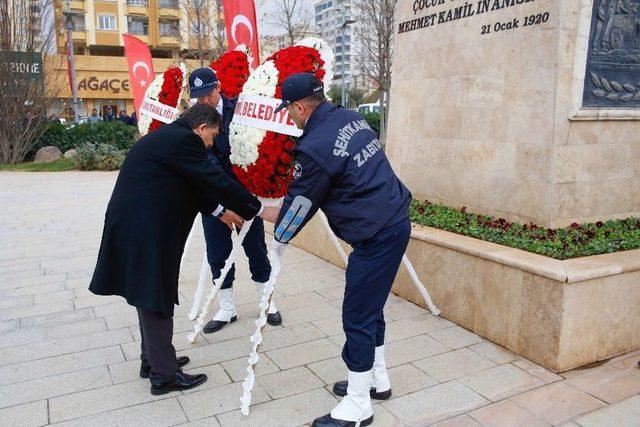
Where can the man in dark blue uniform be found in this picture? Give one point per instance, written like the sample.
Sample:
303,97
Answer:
341,169
203,85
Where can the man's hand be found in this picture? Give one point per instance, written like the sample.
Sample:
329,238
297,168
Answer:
231,218
270,213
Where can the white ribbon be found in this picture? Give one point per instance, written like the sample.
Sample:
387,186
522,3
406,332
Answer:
405,261
236,244
197,298
256,338
187,243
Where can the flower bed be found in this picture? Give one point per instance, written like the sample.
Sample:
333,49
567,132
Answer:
575,241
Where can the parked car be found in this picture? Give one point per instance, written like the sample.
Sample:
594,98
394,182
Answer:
368,108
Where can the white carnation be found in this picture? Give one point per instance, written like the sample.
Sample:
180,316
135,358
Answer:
152,92
245,140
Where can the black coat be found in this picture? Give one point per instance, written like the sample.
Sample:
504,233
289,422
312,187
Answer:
164,181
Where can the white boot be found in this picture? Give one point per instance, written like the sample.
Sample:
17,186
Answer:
356,405
227,309
272,306
380,377
380,384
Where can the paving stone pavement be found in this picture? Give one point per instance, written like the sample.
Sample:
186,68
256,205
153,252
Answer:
68,357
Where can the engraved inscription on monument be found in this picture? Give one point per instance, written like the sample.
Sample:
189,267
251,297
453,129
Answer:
613,64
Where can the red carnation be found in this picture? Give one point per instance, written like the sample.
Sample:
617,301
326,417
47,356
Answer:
169,93
271,173
232,69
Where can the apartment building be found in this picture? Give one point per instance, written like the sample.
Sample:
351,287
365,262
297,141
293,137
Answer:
171,28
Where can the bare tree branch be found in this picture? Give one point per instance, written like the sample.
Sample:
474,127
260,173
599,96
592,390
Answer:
292,17
26,91
204,32
375,30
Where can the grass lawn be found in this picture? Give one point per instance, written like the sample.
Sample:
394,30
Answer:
57,166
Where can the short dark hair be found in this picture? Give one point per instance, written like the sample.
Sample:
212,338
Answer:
316,99
202,114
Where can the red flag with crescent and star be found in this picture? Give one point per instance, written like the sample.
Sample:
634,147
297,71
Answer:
242,26
140,67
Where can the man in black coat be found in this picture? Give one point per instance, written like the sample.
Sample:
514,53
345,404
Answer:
163,183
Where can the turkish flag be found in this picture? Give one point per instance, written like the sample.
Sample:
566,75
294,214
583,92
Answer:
140,68
242,26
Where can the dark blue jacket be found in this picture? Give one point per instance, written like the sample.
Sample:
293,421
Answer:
221,149
341,169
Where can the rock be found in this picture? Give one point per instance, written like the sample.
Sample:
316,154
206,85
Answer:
70,153
48,154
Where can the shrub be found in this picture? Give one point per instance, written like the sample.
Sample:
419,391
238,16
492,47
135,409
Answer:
117,134
576,240
373,119
105,157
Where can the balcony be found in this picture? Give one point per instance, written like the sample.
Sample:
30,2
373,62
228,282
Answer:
77,5
137,7
169,40
79,36
169,9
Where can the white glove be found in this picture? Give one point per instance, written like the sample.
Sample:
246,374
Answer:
277,250
278,247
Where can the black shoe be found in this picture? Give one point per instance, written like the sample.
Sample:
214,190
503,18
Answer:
274,319
328,421
340,389
216,325
145,370
181,381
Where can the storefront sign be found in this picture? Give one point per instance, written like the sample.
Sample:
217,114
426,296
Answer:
93,84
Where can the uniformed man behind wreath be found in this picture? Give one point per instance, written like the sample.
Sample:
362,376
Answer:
341,169
204,85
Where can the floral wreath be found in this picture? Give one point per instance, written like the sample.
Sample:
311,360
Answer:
261,159
167,89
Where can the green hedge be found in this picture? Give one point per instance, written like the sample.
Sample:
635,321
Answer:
117,134
575,241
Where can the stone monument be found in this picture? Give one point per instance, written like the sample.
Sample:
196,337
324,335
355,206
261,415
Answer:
526,109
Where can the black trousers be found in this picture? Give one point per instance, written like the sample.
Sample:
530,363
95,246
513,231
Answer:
371,270
218,238
157,351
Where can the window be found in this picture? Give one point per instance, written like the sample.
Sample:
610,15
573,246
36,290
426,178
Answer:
139,26
169,28
77,22
168,4
138,3
106,22
198,4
